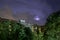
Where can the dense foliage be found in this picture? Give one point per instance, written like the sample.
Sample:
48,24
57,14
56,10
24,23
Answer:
38,34
52,27
10,30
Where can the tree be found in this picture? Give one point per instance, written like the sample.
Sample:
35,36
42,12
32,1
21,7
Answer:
38,34
11,30
52,27
4,29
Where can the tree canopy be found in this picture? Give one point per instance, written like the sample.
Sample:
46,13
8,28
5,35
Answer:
11,30
52,27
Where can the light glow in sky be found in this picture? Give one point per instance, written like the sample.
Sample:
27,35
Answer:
37,18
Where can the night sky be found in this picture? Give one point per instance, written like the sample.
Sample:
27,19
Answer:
33,11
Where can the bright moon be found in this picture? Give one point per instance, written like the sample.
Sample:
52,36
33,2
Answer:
37,18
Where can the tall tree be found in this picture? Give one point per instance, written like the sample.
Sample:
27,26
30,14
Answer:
52,26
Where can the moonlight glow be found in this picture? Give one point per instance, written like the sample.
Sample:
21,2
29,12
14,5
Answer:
37,18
